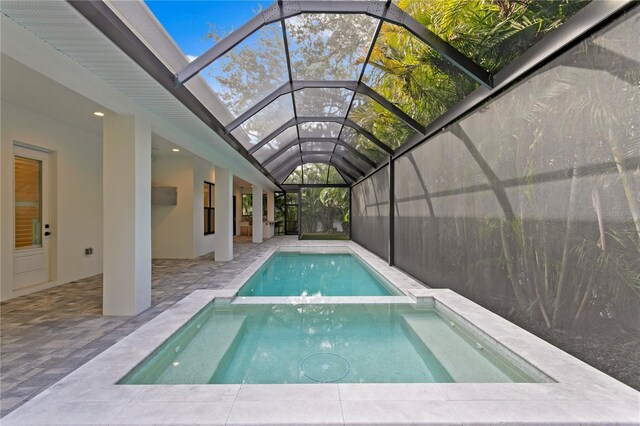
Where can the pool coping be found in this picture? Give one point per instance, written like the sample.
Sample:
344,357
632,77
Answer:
89,395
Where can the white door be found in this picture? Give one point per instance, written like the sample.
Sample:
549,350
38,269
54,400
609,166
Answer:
31,217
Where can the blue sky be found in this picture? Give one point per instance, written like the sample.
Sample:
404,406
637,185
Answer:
187,21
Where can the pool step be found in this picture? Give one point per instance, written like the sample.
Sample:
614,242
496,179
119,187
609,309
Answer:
197,362
464,362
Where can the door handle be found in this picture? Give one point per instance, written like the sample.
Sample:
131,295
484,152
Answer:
47,233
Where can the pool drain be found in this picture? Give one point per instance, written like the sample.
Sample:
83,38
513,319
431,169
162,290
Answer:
325,367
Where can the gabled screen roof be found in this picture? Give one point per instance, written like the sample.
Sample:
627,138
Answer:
347,83
314,174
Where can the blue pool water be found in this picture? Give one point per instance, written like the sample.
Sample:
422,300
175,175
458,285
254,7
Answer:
375,343
310,274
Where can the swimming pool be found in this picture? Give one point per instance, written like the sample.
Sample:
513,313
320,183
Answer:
292,273
328,343
115,376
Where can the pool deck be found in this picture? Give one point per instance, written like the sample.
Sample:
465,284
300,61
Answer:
579,395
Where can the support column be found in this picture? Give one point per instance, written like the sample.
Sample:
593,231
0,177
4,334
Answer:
224,215
127,215
257,213
300,213
350,210
392,212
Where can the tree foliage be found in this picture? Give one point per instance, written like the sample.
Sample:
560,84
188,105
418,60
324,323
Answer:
492,33
324,210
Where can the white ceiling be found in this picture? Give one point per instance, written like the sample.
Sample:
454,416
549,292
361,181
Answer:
31,90
28,89
239,183
162,146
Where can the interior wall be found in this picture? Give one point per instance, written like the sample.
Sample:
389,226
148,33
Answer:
530,205
370,213
76,193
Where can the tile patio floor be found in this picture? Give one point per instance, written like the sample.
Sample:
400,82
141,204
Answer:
46,335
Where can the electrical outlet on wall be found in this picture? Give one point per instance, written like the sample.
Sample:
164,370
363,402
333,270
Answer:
88,251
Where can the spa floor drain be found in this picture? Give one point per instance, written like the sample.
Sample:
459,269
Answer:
325,367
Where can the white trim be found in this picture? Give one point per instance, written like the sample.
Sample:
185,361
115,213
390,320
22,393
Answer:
46,192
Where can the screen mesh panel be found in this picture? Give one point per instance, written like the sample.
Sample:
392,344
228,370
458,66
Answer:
362,144
328,46
276,144
334,176
295,178
263,123
353,159
531,204
323,102
414,77
505,45
250,71
384,125
325,213
288,155
317,146
370,218
319,129
315,173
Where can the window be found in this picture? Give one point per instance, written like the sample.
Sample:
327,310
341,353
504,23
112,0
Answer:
28,203
209,208
247,204
264,205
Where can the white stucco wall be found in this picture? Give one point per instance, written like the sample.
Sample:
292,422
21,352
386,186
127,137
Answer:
76,192
178,231
172,226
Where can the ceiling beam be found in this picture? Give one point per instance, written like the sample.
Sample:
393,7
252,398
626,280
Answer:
363,69
346,167
294,86
332,154
285,44
340,142
343,169
299,120
295,186
343,176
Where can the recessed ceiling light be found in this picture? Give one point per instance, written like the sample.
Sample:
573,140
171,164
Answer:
98,114
175,150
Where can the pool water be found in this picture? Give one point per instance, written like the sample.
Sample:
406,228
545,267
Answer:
311,274
268,344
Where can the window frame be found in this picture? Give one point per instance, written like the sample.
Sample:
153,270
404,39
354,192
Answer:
210,211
